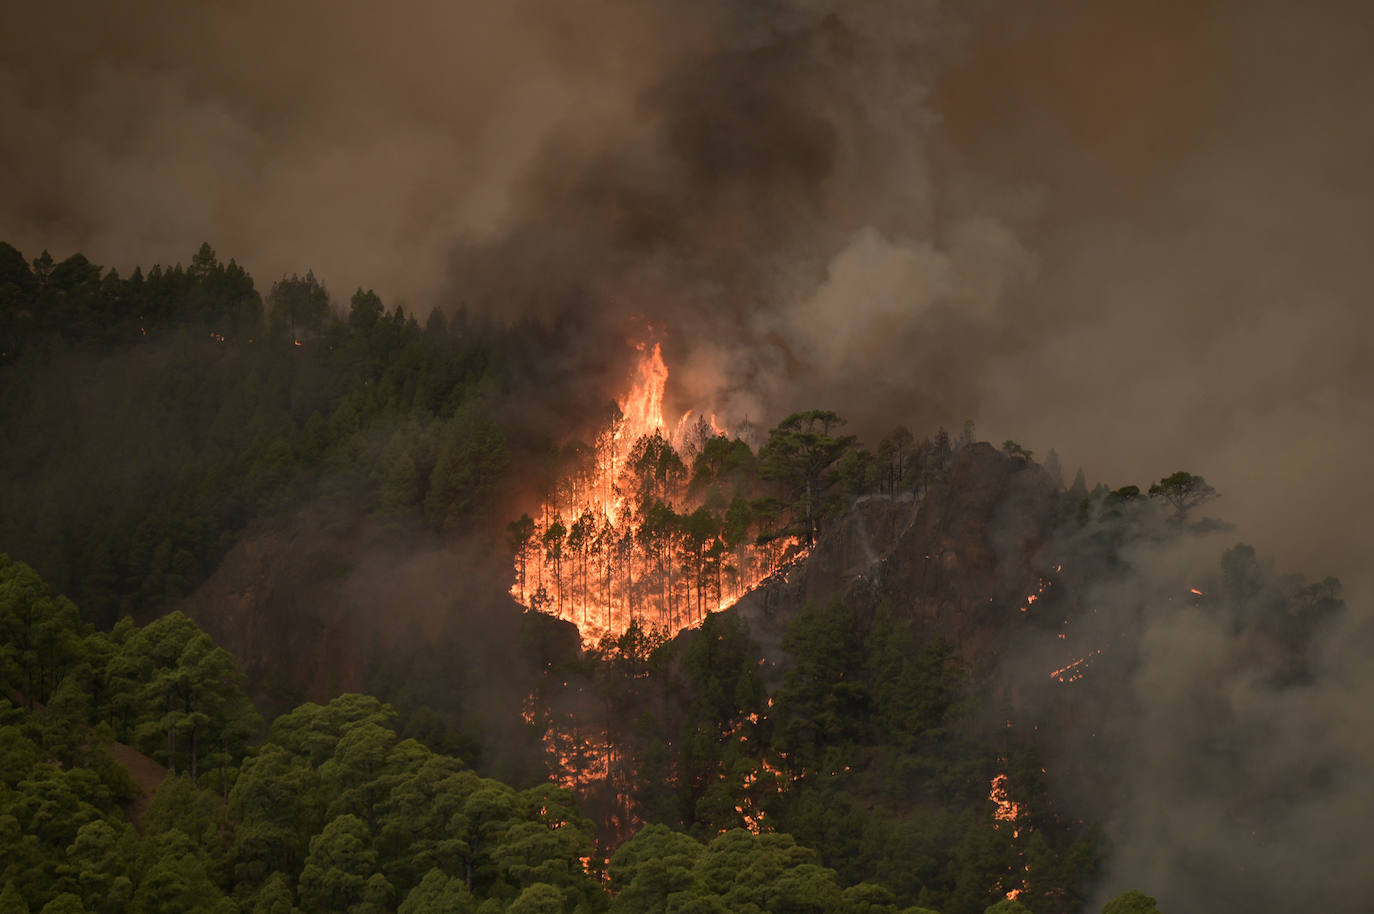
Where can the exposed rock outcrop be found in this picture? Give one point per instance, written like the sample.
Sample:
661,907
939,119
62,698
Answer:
958,561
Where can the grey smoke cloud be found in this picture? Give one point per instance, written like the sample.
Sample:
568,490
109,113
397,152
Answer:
1219,740
360,142
1135,232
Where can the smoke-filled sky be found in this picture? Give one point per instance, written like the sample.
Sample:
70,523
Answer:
1136,232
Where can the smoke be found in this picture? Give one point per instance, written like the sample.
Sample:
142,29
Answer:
1131,232
358,142
1134,232
1217,729
1238,793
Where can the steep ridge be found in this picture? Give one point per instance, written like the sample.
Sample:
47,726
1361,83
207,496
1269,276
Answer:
958,561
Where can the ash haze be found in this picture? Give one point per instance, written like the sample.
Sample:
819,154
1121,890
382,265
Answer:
1135,232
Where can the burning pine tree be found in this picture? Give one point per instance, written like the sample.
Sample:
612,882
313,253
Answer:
655,526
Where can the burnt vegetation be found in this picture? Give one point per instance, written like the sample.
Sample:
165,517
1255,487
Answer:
853,735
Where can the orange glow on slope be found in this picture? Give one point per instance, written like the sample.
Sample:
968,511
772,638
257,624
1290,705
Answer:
1044,585
1007,810
610,544
1074,671
1010,812
767,777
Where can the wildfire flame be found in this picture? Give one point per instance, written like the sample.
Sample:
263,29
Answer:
1045,583
611,544
1073,672
1009,811
642,407
620,541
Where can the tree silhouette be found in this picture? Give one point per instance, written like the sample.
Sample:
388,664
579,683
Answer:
800,454
1183,491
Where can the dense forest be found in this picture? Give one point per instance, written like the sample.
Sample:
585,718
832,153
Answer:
162,413
330,809
154,424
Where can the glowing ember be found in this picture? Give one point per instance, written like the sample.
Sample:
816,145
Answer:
1044,585
748,809
1010,812
1007,810
1196,592
620,540
1074,671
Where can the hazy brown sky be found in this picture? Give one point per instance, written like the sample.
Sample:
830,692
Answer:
1139,233
1136,232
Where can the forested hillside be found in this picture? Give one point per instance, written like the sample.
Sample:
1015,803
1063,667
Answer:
329,810
150,419
256,503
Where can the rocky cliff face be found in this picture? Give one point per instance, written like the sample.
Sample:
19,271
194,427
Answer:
959,561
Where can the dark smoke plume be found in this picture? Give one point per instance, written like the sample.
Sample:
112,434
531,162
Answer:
1135,232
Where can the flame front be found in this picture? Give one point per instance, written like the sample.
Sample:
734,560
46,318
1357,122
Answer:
642,407
622,538
1009,811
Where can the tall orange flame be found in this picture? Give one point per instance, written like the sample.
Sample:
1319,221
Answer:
604,552
642,407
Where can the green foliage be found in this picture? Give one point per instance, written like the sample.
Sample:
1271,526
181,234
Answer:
98,865
11,901
822,710
472,461
274,897
652,867
40,635
864,752
653,471
176,880
299,306
661,870
223,418
1016,451
800,455
178,805
187,694
894,459
722,471
340,863
440,894
1131,902
539,898
1182,491
66,903
914,685
1007,906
